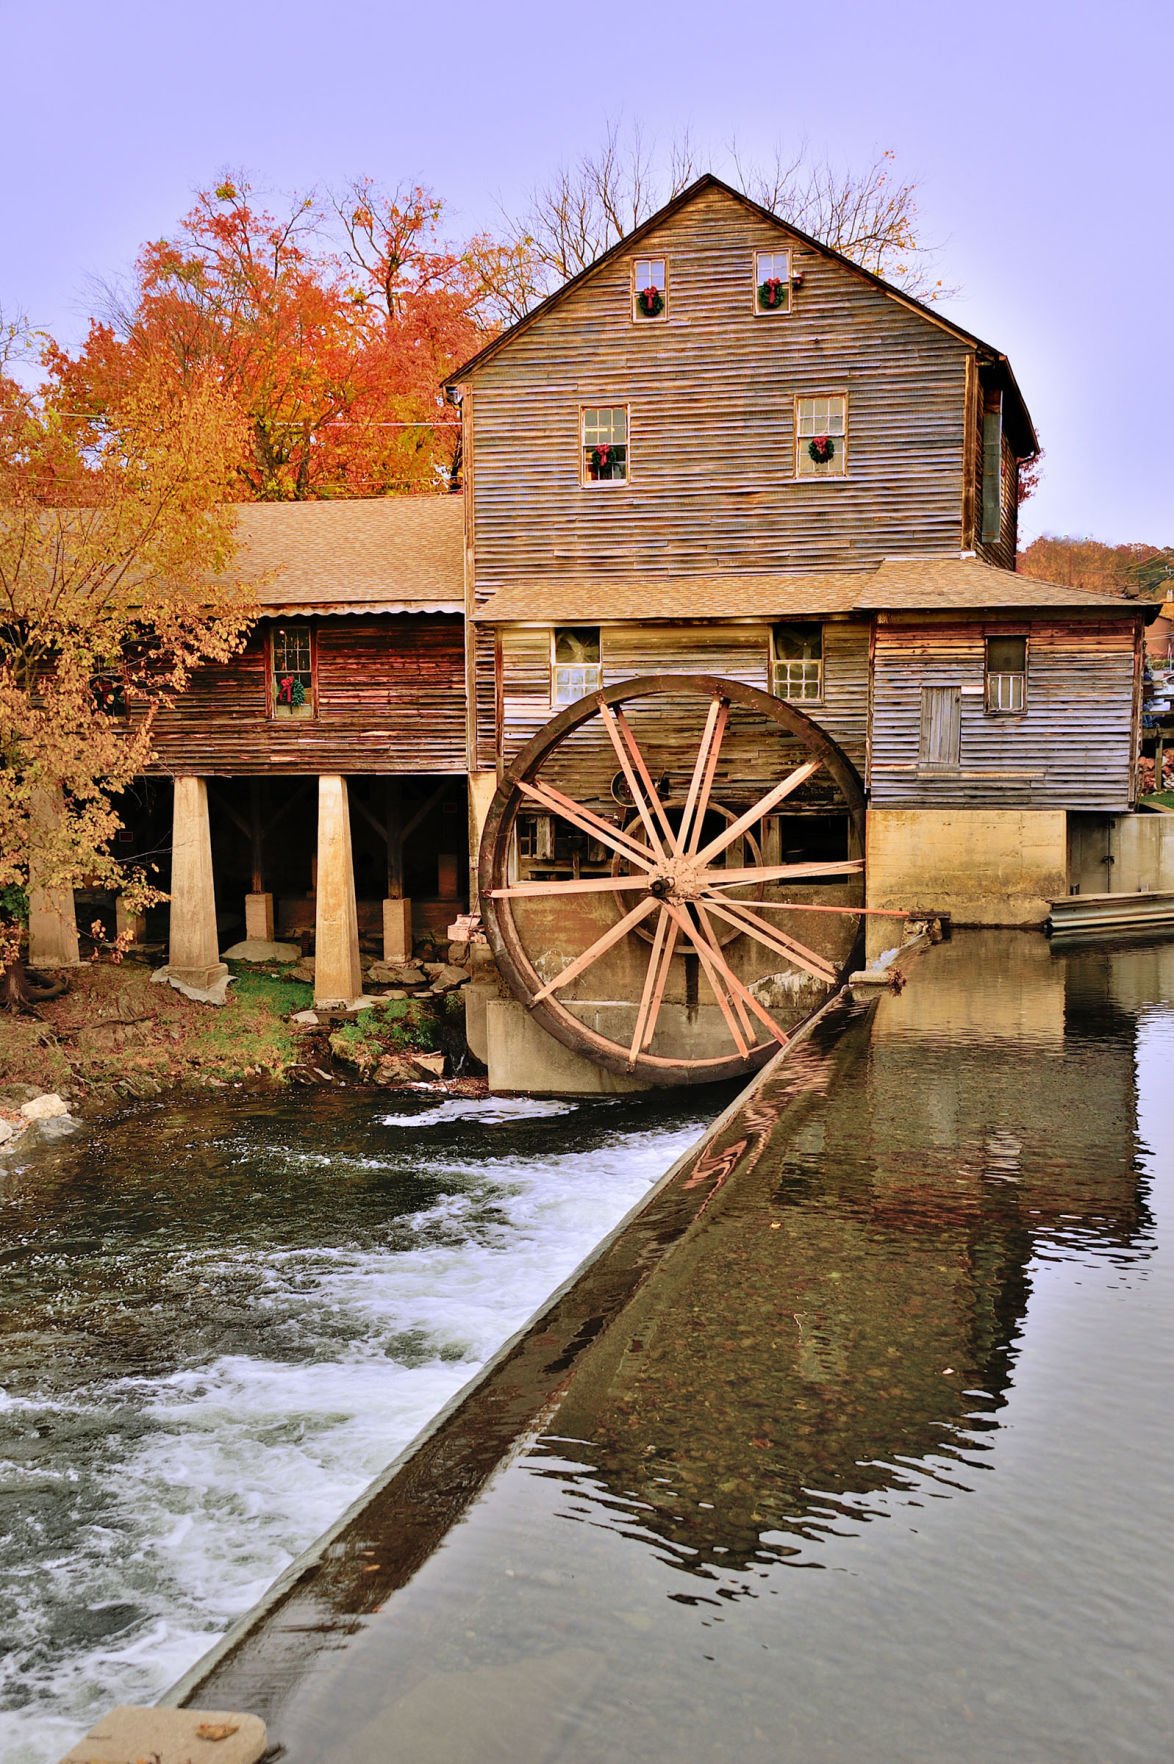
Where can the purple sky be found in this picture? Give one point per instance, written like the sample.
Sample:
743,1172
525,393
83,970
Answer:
1040,133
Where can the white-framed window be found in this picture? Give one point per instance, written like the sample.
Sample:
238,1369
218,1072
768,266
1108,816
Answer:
772,281
1006,674
821,436
576,663
650,288
796,669
291,673
604,429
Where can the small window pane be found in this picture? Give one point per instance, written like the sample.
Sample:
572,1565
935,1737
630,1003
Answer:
1006,655
293,678
577,668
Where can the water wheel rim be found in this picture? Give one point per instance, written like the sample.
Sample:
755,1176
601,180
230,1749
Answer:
514,796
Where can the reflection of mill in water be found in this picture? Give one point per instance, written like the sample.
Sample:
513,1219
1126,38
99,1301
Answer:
842,1319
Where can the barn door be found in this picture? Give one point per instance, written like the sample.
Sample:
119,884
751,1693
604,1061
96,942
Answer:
941,726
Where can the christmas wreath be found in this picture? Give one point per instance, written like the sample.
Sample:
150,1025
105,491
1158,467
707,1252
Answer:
650,302
601,457
291,691
772,294
822,449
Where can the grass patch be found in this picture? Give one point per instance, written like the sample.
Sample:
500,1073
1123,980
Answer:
249,1031
1164,798
398,1025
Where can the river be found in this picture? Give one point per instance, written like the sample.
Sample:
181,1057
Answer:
219,1319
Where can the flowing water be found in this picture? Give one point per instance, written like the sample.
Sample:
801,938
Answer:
874,1468
219,1320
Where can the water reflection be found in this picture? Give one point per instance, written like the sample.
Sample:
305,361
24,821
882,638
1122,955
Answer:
843,1318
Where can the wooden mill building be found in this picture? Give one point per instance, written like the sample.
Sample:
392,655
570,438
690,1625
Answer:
723,454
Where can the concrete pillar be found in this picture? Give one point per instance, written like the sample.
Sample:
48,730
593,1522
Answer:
482,788
337,975
52,920
259,918
397,930
193,953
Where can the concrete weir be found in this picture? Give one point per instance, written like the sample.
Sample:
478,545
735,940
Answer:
273,1656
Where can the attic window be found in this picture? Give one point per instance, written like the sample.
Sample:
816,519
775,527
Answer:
772,281
576,666
650,289
605,443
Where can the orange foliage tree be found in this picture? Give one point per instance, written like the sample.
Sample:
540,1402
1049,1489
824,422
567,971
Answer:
115,548
331,346
1143,572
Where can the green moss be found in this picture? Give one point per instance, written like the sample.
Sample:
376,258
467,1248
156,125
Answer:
250,1031
398,1025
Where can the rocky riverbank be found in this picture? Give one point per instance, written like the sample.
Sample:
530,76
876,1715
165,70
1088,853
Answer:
116,1035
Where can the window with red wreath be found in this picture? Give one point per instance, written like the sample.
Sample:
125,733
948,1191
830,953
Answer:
292,671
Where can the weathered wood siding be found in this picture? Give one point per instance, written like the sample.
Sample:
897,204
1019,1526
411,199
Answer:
390,698
734,651
1070,748
711,392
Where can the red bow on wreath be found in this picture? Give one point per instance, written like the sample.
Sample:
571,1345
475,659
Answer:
773,285
285,690
600,457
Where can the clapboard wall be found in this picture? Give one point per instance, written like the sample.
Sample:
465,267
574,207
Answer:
734,651
390,698
711,391
1071,747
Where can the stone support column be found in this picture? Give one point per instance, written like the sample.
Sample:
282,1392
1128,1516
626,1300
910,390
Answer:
397,930
259,918
337,974
193,954
52,920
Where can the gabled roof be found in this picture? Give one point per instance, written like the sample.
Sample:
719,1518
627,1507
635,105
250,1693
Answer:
1021,422
372,555
923,584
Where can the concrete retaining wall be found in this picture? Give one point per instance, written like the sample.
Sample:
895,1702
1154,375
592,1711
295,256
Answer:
1121,854
983,866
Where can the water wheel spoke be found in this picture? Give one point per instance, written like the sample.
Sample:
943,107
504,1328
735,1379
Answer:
645,794
722,979
712,974
600,947
784,873
702,919
762,807
570,885
655,981
704,771
587,821
811,906
740,916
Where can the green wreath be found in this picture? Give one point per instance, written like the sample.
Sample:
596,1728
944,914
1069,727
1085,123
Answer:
650,302
772,294
822,449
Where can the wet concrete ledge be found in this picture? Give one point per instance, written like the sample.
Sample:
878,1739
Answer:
392,1529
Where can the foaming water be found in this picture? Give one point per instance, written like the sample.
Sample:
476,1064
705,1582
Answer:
218,1324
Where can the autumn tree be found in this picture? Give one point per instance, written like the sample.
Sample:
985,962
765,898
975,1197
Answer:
328,326
1142,572
114,552
574,216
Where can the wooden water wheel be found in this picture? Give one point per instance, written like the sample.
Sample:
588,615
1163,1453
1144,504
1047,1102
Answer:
670,875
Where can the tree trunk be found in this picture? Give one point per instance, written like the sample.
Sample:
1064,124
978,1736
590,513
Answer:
23,988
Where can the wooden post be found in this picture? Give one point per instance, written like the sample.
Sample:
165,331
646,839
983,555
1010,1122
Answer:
337,973
193,947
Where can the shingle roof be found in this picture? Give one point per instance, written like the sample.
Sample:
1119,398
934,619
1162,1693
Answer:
924,584
928,584
670,597
386,554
